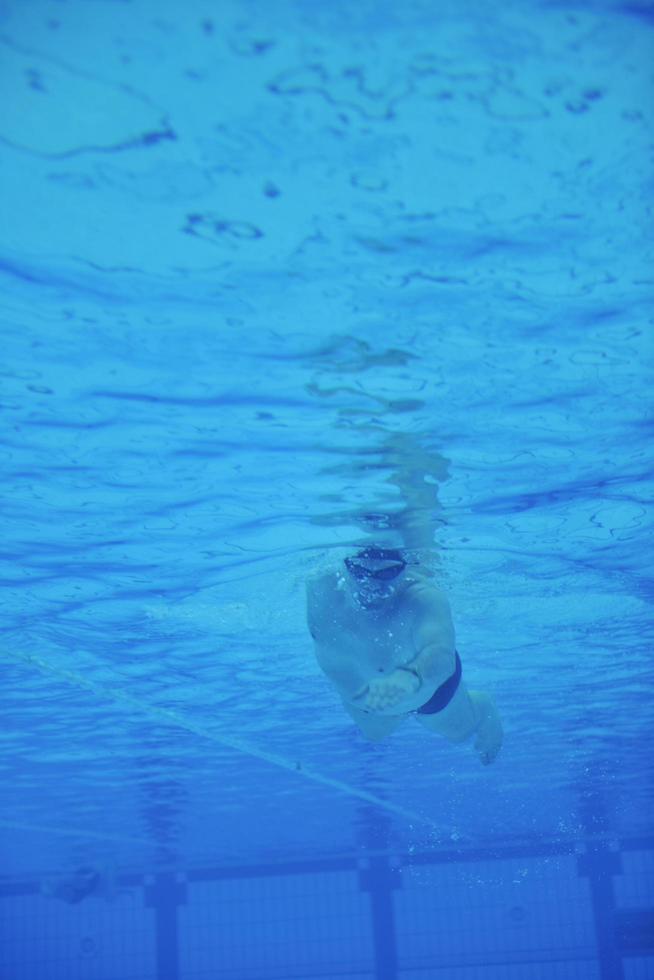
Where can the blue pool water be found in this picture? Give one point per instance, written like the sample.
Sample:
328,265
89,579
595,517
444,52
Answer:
242,246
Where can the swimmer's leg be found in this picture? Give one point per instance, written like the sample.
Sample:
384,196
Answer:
374,727
468,713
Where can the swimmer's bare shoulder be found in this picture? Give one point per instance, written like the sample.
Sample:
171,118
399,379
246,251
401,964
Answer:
422,591
320,590
431,617
330,628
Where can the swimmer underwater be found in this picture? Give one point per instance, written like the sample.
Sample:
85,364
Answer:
383,635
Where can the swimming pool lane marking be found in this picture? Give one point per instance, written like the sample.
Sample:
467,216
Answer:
171,717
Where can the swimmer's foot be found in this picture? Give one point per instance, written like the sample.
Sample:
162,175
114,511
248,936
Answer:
489,733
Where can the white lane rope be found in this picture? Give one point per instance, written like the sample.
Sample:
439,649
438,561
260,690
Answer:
171,717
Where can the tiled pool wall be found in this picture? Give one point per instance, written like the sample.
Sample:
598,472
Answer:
585,912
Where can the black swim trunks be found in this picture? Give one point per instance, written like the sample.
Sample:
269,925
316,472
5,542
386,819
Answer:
443,694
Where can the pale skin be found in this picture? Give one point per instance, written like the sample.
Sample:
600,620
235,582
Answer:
386,657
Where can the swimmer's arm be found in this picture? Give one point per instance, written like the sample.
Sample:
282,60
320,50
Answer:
332,662
339,669
433,639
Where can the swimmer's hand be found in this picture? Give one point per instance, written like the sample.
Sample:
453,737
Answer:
383,693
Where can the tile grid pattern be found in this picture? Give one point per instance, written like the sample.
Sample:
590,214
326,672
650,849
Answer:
505,919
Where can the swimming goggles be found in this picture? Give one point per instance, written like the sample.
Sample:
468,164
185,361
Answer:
359,567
